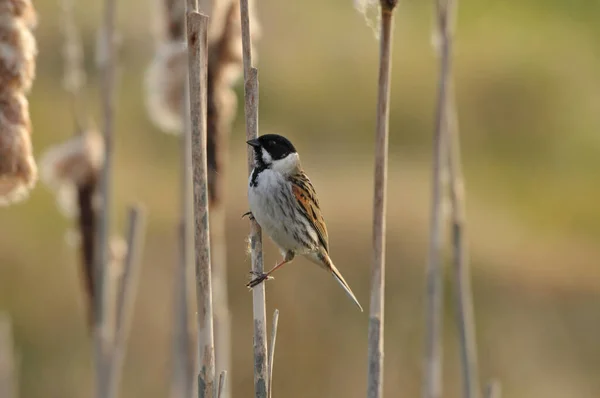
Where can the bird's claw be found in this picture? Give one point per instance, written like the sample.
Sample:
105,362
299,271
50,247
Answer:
249,214
259,277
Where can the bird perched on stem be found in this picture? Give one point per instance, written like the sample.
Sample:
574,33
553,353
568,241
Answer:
284,203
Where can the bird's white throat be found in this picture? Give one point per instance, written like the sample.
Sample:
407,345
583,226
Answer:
266,156
286,166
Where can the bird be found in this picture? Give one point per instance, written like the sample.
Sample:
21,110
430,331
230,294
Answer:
284,203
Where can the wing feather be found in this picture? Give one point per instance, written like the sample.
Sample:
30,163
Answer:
306,197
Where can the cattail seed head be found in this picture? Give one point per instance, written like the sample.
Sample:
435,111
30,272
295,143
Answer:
18,51
165,83
14,109
370,11
72,164
18,171
74,161
22,9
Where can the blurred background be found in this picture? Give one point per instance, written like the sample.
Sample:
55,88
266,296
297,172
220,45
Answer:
528,89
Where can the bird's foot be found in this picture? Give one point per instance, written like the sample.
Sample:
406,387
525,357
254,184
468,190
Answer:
259,277
249,214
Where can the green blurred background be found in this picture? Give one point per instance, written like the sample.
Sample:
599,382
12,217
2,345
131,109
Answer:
528,88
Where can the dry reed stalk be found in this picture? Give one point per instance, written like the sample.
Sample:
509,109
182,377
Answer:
272,350
174,106
18,171
183,334
8,367
125,296
166,99
185,297
74,74
376,317
432,387
106,57
165,84
261,365
224,67
493,390
465,315
197,39
222,384
462,291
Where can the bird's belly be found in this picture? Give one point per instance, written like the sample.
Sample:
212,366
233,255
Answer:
274,215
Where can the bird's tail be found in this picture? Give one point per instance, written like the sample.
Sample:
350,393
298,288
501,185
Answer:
340,279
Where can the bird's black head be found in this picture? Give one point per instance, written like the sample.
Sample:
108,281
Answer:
275,146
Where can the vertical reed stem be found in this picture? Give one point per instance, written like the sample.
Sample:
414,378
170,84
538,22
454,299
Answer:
197,39
463,292
183,361
107,65
222,379
126,297
493,390
8,368
462,275
272,350
433,352
261,376
376,317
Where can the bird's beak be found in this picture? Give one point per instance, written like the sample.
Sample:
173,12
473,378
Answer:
254,143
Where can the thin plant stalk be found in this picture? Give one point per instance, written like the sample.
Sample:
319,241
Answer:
376,316
74,74
183,362
462,275
261,375
432,387
493,390
222,380
222,315
272,350
187,235
126,293
218,130
463,292
8,368
107,65
197,39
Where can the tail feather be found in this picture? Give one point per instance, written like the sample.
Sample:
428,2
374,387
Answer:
340,279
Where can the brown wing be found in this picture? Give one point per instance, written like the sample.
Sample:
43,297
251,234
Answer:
306,197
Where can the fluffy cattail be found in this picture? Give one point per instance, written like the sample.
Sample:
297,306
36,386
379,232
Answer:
165,82
72,165
18,172
22,9
166,76
71,170
370,11
18,51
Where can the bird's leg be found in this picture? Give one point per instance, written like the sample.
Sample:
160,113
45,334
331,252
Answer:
249,214
263,276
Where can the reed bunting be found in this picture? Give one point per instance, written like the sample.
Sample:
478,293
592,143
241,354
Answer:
284,203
